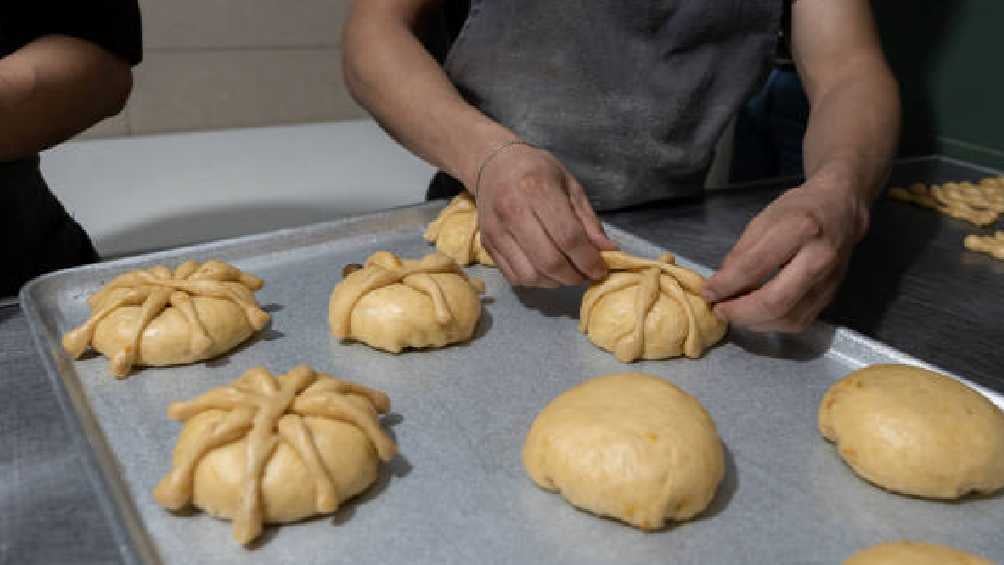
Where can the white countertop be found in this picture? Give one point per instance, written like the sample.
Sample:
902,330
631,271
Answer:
141,193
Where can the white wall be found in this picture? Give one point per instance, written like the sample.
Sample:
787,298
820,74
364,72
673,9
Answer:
141,193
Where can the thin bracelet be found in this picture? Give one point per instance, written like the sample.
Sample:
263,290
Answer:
502,147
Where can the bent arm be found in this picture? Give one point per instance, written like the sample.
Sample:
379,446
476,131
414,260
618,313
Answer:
854,123
391,74
55,87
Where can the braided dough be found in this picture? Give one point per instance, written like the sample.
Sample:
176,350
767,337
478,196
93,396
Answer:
630,446
648,309
158,317
455,232
271,449
392,304
914,553
916,432
980,204
992,245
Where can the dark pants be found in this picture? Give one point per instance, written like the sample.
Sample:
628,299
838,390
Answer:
37,234
770,129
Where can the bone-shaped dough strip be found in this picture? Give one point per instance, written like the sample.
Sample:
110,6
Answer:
294,431
185,270
425,284
632,345
175,490
620,261
217,270
222,398
340,408
123,360
199,341
75,341
328,383
693,344
613,283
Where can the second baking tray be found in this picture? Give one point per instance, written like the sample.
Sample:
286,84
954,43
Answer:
458,493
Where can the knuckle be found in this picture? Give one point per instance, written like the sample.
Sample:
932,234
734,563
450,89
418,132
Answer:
807,225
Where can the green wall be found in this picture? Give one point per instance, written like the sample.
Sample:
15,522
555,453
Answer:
949,58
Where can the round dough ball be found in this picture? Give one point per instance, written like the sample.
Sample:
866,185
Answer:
398,316
629,446
167,339
914,553
392,303
916,432
287,487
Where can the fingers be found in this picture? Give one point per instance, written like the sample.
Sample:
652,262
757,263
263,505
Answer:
584,211
568,234
763,248
779,297
514,264
805,312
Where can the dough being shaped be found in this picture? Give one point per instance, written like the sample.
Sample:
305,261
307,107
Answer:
455,232
914,553
916,432
271,449
392,304
648,309
630,446
158,317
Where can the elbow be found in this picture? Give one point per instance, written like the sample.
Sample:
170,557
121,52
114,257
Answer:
119,81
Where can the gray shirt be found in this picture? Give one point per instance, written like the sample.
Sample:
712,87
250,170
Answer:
631,95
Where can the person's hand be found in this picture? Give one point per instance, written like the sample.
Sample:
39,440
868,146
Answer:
536,222
802,242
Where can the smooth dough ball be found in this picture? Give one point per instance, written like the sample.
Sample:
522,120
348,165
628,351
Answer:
916,432
167,339
914,553
629,446
393,303
288,489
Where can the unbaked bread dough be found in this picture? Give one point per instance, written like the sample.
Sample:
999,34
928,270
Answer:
980,204
648,309
992,245
271,449
630,446
914,553
393,303
455,232
916,432
158,317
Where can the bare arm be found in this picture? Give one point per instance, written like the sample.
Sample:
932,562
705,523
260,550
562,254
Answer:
806,236
54,88
390,73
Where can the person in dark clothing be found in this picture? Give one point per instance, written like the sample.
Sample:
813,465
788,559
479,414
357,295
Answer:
64,66
546,111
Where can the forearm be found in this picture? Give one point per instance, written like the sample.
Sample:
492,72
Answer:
54,88
391,74
853,129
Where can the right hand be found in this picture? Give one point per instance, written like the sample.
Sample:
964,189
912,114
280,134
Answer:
536,221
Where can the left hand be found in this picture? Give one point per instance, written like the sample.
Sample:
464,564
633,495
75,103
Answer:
805,237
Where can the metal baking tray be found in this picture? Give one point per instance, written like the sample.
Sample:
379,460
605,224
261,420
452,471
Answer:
458,492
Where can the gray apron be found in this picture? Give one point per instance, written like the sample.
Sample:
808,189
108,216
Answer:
630,95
